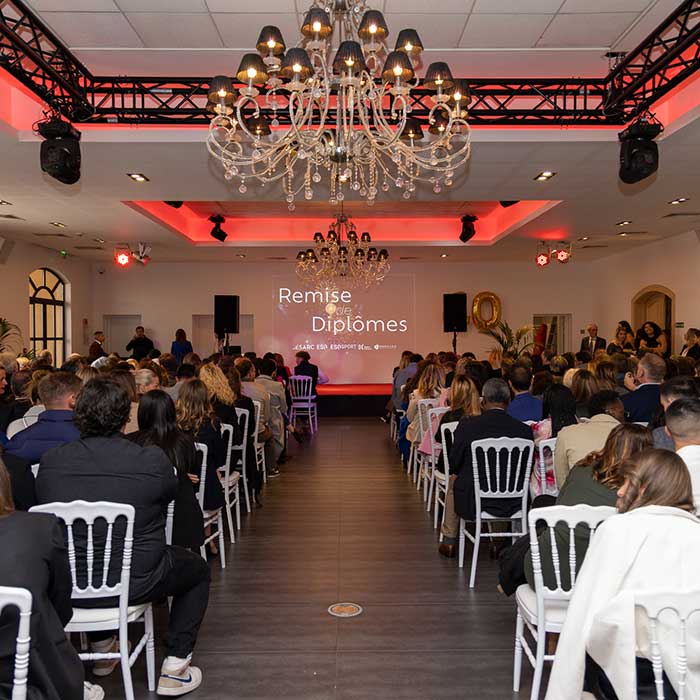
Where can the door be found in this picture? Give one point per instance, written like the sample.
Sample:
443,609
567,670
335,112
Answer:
119,330
656,304
553,332
205,343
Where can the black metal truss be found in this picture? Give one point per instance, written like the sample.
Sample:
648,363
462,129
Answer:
30,51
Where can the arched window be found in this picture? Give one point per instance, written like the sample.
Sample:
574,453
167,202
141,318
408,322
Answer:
47,299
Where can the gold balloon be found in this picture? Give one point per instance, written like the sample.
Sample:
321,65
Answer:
478,320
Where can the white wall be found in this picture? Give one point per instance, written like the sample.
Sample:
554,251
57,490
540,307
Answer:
17,261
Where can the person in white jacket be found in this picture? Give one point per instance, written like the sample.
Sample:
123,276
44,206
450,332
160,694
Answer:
649,546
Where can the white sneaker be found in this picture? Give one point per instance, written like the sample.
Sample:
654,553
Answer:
177,677
92,691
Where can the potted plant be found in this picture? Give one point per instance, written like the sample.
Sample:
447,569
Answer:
509,342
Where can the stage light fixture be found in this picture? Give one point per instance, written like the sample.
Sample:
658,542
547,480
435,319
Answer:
138,177
174,204
5,203
60,152
122,257
623,223
468,230
679,200
542,257
142,254
217,232
509,203
544,176
444,255
639,153
57,224
563,254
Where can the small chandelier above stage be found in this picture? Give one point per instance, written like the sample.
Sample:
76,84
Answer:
342,258
337,107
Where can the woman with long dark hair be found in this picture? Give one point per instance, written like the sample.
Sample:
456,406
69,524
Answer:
652,339
158,426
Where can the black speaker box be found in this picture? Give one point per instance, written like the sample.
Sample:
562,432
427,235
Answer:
226,314
454,312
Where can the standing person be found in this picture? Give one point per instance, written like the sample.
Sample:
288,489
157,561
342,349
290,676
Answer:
180,346
140,345
592,342
97,348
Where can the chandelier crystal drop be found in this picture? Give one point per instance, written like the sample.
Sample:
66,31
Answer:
338,103
342,258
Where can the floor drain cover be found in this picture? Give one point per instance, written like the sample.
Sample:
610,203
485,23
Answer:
345,610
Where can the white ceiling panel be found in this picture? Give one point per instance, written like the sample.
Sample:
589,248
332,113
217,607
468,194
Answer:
241,31
600,29
74,5
192,6
254,6
444,6
103,29
175,30
511,31
517,6
605,5
436,30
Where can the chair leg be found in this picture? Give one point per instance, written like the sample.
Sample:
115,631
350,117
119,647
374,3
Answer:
238,508
539,663
437,507
431,488
409,466
419,469
229,517
518,658
150,649
124,663
315,410
475,554
461,543
222,550
247,495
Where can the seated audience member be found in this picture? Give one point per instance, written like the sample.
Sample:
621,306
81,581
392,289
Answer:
577,441
19,399
221,396
643,401
691,347
582,359
583,385
85,374
643,549
126,381
540,381
568,378
104,466
304,368
524,406
606,374
36,407
558,411
192,358
493,422
158,426
22,481
184,374
670,391
652,339
58,393
685,366
683,425
558,366
146,380
168,364
621,344
283,372
429,386
196,418
622,366
35,557
278,407
140,345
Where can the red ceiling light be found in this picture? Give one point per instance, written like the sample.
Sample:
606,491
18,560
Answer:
542,259
122,258
564,254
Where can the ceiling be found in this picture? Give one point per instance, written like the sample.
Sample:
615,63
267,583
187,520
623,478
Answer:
479,38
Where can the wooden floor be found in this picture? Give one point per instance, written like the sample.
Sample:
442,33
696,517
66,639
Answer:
344,523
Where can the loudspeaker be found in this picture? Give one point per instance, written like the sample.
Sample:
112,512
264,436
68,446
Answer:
454,312
226,314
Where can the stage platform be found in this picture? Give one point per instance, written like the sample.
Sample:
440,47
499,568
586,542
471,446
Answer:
353,399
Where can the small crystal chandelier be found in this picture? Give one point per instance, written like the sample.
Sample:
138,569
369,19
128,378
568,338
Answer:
338,103
342,258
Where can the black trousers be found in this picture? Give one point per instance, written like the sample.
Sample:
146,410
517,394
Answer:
597,682
186,580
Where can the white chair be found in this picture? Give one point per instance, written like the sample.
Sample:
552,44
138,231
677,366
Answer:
259,446
442,479
680,606
505,476
423,462
211,517
434,416
415,459
229,483
397,415
91,582
243,415
35,469
20,598
546,446
544,609
303,401
169,518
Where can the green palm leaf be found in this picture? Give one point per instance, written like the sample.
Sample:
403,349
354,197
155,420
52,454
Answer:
10,336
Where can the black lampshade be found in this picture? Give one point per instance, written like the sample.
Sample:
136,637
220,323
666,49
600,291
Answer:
297,63
383,254
258,126
409,42
318,237
252,68
460,91
439,126
317,23
350,57
438,76
373,26
366,238
359,253
412,130
270,40
301,256
394,61
372,254
220,88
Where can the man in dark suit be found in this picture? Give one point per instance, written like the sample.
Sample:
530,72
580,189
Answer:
140,345
96,350
104,466
644,399
592,342
493,422
306,369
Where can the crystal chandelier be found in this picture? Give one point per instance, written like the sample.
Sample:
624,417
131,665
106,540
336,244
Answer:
338,103
342,257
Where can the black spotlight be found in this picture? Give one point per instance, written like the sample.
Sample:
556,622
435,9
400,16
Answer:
174,205
217,232
639,153
60,152
468,229
508,203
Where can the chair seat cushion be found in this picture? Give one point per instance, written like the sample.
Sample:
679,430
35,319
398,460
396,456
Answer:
488,516
91,616
555,610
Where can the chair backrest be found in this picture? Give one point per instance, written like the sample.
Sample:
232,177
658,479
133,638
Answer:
227,432
92,564
502,468
35,469
572,517
424,405
170,516
201,447
257,405
300,387
243,415
434,416
447,435
680,606
544,447
20,598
